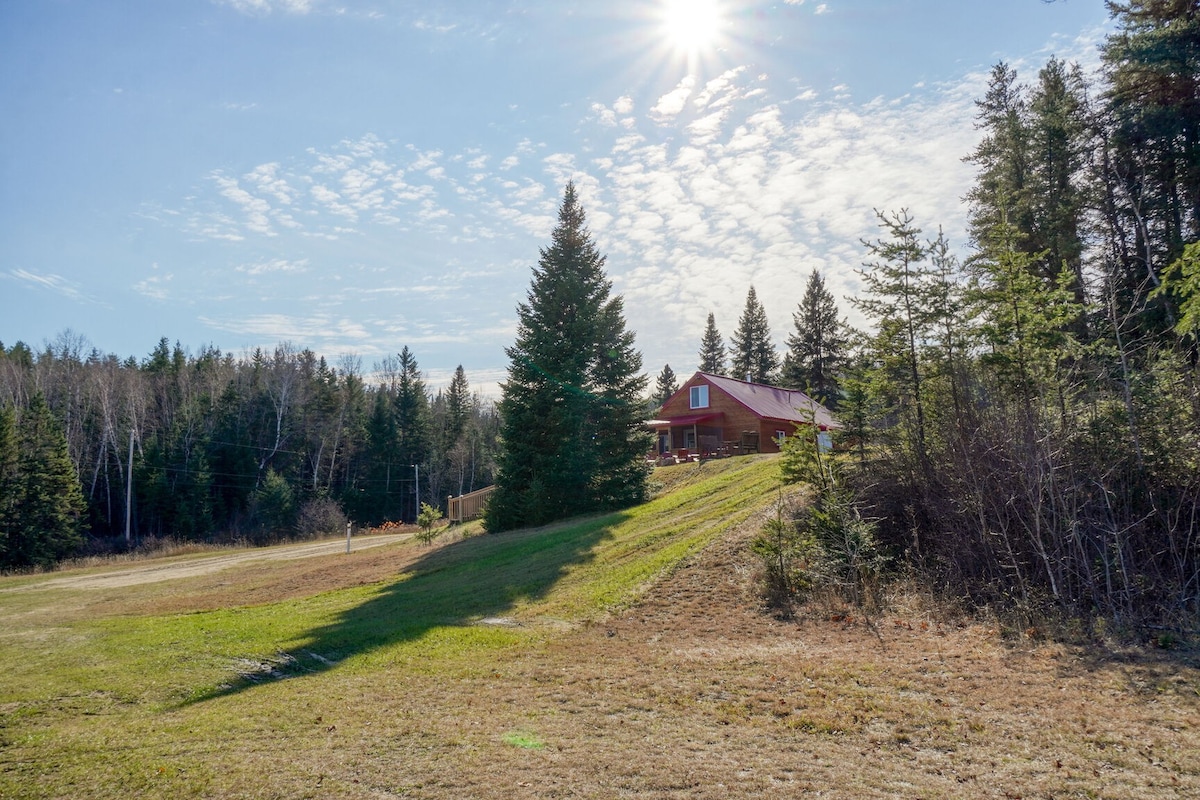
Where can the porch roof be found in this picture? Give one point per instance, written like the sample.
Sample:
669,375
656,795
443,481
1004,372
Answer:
690,419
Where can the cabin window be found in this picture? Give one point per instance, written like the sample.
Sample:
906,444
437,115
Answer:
779,437
699,396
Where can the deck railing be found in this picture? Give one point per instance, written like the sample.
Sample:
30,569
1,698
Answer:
467,506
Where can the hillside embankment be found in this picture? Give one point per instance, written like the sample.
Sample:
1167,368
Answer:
625,655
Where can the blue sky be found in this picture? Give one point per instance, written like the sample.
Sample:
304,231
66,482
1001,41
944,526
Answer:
355,177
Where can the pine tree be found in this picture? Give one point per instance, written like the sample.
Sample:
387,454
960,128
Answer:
712,349
665,386
1002,156
458,407
412,425
49,502
817,346
754,354
1031,160
1152,148
9,451
897,296
1058,140
572,435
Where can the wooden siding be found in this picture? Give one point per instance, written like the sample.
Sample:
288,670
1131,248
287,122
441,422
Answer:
737,417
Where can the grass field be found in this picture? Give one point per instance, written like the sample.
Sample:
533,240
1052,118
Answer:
616,656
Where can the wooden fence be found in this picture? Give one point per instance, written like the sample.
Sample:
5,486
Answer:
467,506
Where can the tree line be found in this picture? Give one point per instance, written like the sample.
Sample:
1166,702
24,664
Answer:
198,446
817,347
1026,420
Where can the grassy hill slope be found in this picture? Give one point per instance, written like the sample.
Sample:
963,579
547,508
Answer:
80,667
615,656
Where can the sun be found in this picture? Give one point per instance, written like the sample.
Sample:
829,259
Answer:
691,25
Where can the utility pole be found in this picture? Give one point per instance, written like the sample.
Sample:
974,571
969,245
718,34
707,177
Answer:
416,491
129,491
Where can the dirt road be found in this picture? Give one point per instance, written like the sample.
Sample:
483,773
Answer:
152,572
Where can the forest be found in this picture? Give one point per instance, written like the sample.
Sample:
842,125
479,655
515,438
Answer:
257,448
1025,421
1021,418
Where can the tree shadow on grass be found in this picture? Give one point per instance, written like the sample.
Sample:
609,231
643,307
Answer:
456,585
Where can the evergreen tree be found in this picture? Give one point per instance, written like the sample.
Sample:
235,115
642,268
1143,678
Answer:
1002,155
1021,320
49,502
898,298
1058,138
571,414
712,349
412,425
665,386
816,348
1031,161
380,496
458,407
754,356
1152,148
9,451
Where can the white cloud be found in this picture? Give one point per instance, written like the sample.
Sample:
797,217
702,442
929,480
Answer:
274,328
731,184
260,7
671,103
605,115
51,283
274,265
255,209
154,287
761,193
718,88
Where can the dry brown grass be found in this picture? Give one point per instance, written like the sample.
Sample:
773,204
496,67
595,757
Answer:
695,692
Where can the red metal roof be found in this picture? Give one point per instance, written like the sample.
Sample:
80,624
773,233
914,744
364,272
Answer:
771,402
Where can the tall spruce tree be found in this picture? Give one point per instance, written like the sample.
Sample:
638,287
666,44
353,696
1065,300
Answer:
897,297
572,433
754,356
49,502
1152,148
458,407
9,451
665,386
1001,188
816,347
411,408
712,349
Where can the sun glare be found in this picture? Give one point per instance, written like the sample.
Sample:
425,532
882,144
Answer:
691,25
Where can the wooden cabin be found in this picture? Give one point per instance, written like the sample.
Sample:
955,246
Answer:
712,415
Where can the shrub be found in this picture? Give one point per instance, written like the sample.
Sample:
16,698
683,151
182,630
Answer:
426,520
786,550
320,516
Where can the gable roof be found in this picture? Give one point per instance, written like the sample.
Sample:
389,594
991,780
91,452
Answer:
771,402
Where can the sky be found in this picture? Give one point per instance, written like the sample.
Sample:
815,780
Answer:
357,176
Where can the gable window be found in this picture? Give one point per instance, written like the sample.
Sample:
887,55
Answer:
699,396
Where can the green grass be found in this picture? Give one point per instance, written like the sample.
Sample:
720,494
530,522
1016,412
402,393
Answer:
142,705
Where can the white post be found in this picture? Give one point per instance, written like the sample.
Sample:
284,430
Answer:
348,524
